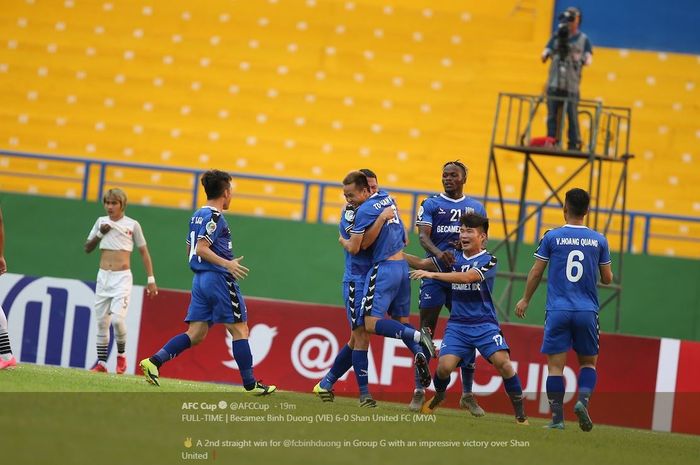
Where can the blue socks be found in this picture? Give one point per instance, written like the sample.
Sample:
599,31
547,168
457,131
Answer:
244,359
341,364
467,378
555,394
360,365
586,383
171,349
515,392
397,330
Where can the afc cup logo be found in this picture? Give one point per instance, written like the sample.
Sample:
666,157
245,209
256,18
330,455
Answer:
313,352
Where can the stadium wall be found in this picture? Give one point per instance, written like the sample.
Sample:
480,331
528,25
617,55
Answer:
647,383
302,262
639,24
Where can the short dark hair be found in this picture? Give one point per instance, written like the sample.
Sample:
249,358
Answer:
472,220
577,201
358,178
215,182
458,164
368,172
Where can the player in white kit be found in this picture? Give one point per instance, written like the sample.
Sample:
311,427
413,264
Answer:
116,235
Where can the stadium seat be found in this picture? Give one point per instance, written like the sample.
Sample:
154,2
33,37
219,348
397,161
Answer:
311,89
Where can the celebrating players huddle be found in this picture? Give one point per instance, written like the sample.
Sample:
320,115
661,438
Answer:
458,272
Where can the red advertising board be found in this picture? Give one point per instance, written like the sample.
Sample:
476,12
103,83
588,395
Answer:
294,344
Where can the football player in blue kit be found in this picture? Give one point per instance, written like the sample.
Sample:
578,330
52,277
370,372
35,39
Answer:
473,323
576,255
354,353
387,288
216,297
438,223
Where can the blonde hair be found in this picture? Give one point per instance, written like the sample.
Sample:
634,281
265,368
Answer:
118,194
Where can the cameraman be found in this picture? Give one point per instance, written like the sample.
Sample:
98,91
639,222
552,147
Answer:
569,50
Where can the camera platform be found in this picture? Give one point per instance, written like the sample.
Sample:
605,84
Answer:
542,174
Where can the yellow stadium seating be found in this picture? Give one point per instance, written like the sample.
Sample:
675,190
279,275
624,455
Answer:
311,89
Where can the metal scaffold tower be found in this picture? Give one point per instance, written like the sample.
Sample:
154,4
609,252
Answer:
544,173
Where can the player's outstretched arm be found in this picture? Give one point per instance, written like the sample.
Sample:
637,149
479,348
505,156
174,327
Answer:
418,263
533,280
470,276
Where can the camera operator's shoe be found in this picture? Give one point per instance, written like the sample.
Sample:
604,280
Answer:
468,401
417,400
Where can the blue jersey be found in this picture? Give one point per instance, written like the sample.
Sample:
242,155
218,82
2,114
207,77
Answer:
472,303
208,223
356,266
574,254
442,215
392,237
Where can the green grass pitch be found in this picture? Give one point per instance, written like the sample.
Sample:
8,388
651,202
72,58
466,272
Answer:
64,416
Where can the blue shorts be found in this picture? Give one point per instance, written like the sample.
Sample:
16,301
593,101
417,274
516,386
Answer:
435,294
566,329
461,340
216,298
353,293
388,289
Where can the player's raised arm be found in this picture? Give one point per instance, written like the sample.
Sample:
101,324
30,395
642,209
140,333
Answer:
96,234
372,233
